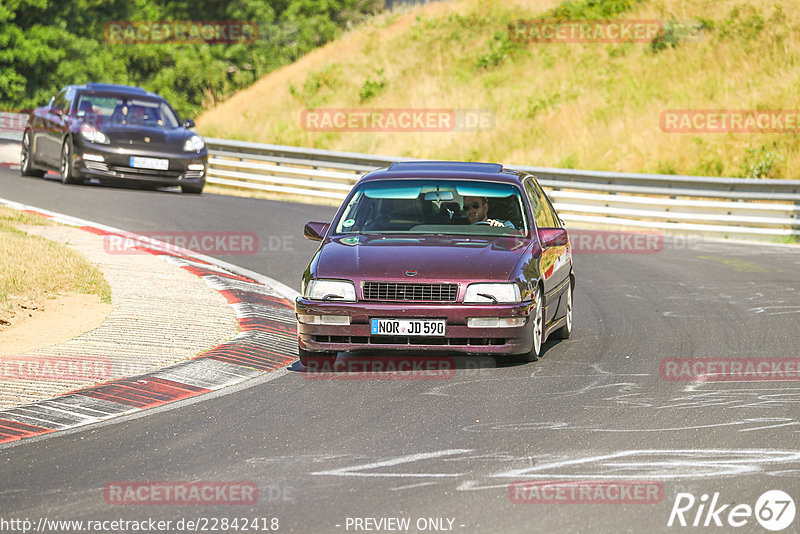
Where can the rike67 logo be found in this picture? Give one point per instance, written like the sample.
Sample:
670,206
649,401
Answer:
774,510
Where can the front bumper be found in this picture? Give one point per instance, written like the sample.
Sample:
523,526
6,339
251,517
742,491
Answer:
116,164
458,336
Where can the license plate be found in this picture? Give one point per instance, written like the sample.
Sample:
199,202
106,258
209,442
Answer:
139,162
407,327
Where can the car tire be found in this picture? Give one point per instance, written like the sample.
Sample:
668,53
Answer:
565,331
68,173
192,189
26,167
537,325
308,356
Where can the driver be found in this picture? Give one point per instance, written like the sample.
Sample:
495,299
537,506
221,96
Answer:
136,115
476,208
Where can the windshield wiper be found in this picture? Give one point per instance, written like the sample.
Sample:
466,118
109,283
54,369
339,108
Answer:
331,297
488,296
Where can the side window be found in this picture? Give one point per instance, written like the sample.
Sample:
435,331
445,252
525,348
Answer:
68,98
549,215
60,101
537,207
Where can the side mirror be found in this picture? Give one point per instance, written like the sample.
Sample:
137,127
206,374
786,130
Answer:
188,123
315,231
553,237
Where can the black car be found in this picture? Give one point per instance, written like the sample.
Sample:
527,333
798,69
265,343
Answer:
117,134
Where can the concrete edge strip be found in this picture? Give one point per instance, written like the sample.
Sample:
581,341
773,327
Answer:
266,342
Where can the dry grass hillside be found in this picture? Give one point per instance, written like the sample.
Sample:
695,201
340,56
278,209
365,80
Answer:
577,105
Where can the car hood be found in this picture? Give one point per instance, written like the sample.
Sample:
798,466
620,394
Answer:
434,258
141,136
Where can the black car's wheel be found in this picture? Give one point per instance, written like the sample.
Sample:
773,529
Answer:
537,326
68,173
192,189
316,361
26,167
565,331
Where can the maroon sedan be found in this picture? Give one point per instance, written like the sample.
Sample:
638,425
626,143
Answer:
459,257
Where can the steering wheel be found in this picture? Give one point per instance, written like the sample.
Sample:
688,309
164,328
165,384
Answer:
487,223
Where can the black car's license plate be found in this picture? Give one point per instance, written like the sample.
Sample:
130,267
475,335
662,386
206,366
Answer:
407,327
140,162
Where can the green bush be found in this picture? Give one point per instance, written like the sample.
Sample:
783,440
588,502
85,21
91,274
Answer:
591,9
760,162
675,32
500,47
372,87
46,44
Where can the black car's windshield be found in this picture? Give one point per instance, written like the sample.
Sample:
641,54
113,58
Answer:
435,206
110,110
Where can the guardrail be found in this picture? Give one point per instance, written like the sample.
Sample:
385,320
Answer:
705,206
12,125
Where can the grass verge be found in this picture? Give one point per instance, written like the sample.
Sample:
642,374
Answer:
572,105
34,269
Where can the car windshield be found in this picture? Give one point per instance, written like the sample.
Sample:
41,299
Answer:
107,110
434,206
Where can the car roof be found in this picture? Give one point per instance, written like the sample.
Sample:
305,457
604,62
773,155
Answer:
467,170
113,88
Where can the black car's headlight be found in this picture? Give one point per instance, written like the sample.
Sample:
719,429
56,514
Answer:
93,135
493,293
338,290
194,144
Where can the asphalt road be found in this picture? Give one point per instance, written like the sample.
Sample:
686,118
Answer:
595,407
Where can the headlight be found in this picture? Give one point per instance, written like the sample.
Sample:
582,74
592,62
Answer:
93,135
496,322
495,293
328,320
338,290
194,144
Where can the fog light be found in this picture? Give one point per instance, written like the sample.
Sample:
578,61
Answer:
495,322
330,320
94,157
196,166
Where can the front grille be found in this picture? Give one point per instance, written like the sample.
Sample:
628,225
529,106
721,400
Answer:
410,340
410,292
145,172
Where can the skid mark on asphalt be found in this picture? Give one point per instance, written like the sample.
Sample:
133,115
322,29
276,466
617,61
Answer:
360,470
548,384
775,310
703,395
473,473
745,425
